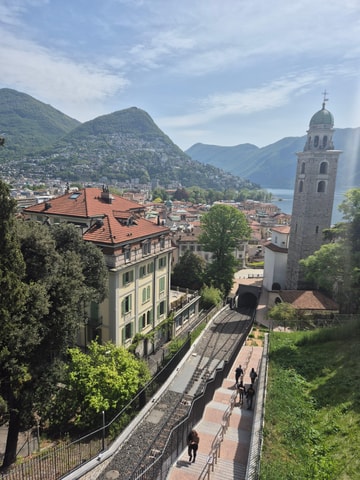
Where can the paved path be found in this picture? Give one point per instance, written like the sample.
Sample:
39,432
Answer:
235,446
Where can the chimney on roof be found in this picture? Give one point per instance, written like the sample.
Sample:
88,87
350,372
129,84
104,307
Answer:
106,195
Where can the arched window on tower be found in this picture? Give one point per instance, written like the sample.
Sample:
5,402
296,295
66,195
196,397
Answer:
321,187
323,167
316,141
301,186
325,141
302,168
317,229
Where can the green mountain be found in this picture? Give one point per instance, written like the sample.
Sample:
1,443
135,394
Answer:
275,165
122,147
29,125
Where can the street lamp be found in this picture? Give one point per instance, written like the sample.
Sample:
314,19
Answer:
103,431
86,321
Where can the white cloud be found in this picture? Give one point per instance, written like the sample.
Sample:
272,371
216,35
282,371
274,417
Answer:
52,77
245,102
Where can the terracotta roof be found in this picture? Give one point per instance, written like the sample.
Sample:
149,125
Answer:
118,221
281,229
308,300
114,232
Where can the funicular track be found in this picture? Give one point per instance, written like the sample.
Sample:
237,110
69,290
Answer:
147,441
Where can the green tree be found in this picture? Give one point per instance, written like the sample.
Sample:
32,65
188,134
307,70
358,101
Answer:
210,297
60,273
284,314
335,267
222,228
189,271
103,379
17,336
181,194
160,193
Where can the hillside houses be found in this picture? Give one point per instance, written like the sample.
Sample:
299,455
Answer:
138,254
141,242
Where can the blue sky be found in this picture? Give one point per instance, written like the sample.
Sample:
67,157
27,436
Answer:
222,72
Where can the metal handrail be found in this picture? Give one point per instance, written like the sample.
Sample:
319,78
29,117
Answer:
218,439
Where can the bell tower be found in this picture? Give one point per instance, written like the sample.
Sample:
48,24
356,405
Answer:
313,195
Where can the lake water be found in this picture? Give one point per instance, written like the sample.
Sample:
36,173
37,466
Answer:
283,198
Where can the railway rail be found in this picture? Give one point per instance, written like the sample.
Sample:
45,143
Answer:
216,346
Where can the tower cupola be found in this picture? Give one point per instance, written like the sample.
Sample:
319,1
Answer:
321,129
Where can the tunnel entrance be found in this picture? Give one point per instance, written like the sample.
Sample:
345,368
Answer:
247,296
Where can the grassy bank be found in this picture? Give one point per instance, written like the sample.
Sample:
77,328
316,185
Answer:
312,418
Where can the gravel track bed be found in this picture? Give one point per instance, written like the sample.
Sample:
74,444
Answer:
132,451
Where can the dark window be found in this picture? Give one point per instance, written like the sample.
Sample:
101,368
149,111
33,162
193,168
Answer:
128,331
301,186
316,141
127,253
126,304
323,167
142,320
317,229
162,308
146,248
162,262
128,277
325,141
321,188
302,168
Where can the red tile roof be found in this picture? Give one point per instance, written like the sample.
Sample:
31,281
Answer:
308,300
281,228
118,221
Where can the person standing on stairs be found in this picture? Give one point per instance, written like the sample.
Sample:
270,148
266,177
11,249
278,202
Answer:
193,445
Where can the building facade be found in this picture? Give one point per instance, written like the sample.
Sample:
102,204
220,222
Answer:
275,258
137,252
313,195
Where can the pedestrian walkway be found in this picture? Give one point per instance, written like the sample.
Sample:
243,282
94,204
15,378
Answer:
233,451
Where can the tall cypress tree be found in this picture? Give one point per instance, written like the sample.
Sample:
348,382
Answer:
13,296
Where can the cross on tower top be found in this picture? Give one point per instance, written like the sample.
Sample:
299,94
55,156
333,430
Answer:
325,99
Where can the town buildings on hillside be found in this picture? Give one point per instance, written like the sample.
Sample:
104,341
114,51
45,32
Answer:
138,253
